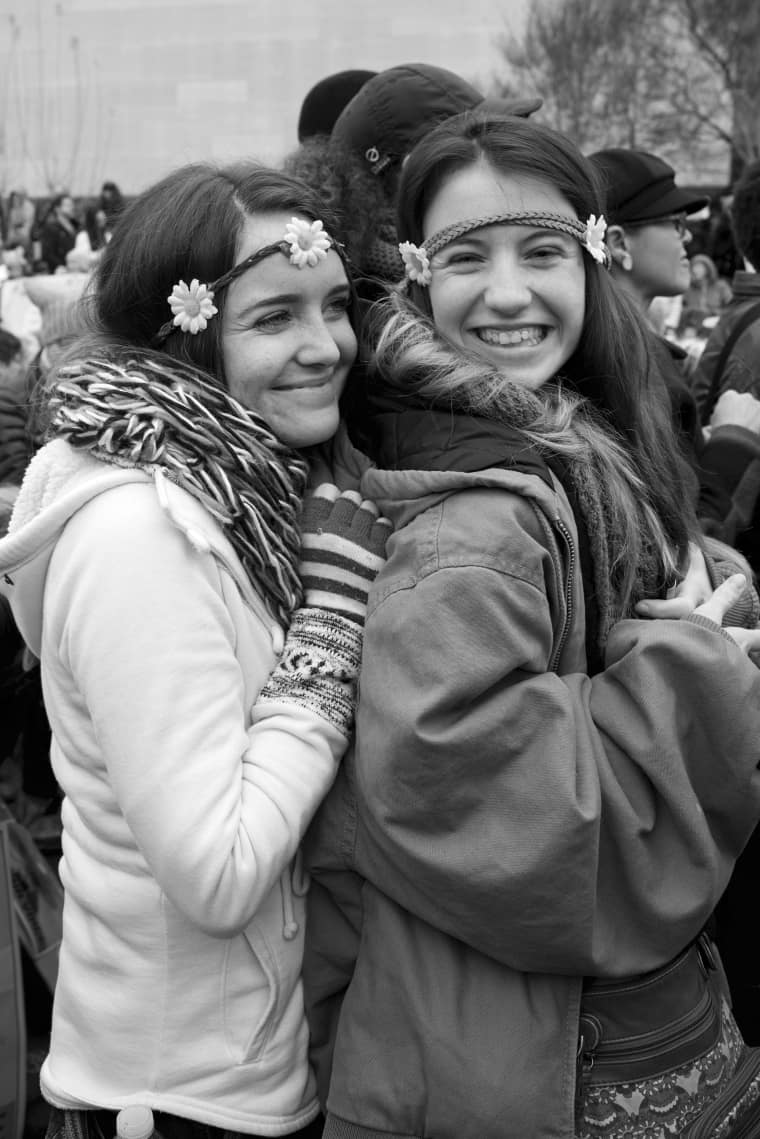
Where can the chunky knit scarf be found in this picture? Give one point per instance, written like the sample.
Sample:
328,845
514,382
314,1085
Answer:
143,412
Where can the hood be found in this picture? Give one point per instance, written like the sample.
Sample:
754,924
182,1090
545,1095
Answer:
422,455
58,482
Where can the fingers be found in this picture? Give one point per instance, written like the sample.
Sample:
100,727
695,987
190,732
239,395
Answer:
673,607
740,408
327,491
692,590
726,595
345,516
322,504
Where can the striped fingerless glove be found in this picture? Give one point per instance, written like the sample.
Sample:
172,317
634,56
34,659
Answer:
343,547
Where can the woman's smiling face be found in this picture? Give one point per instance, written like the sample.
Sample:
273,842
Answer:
513,294
287,340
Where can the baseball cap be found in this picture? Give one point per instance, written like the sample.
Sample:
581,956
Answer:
393,110
639,187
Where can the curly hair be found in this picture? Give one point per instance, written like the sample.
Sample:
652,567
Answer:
363,204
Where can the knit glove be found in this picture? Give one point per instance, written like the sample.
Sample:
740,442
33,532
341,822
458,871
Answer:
343,548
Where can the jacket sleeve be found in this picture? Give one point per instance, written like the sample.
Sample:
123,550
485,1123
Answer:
557,823
216,794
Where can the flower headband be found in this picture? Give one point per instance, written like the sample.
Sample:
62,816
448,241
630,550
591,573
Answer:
304,243
417,258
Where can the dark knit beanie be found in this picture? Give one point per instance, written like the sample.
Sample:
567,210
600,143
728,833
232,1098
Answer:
398,106
326,99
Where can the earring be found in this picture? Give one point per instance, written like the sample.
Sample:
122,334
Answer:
626,261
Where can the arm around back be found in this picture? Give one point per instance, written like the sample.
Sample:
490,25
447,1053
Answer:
553,821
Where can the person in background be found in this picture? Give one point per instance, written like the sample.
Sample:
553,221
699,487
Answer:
705,299
19,222
358,167
525,823
648,237
58,232
199,649
11,358
326,99
721,244
729,369
740,368
14,445
111,202
102,215
23,405
646,214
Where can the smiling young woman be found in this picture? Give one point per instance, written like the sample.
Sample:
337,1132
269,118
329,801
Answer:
547,792
199,627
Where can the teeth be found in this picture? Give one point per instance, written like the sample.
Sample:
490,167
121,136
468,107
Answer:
517,336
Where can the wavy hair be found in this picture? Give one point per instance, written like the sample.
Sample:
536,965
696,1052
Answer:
186,225
610,410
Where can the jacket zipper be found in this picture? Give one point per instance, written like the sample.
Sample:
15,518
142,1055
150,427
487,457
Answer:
569,577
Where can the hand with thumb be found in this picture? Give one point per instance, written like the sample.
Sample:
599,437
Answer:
716,607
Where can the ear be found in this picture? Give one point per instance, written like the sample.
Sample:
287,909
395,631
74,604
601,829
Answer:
615,238
618,246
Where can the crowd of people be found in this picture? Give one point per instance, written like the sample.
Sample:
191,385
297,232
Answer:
381,572
39,237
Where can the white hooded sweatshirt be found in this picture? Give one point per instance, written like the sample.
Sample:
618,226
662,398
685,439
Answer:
179,979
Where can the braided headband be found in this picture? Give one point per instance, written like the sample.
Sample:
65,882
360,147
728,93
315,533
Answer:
590,234
304,243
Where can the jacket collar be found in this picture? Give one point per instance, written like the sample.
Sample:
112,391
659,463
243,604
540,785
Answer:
405,435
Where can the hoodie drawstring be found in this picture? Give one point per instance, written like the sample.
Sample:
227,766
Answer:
294,883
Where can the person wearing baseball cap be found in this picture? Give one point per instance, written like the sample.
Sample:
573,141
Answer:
357,169
391,112
647,236
646,215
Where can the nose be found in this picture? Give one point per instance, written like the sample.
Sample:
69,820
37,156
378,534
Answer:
507,288
319,347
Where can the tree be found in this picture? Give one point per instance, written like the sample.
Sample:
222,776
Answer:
725,35
678,77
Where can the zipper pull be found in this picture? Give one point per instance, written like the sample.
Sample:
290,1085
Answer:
589,1039
706,954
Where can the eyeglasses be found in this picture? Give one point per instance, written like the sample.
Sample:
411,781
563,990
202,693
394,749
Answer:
678,221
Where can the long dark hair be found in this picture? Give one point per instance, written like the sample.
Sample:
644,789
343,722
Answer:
186,226
612,366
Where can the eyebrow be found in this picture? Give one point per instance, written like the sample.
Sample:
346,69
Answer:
537,231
